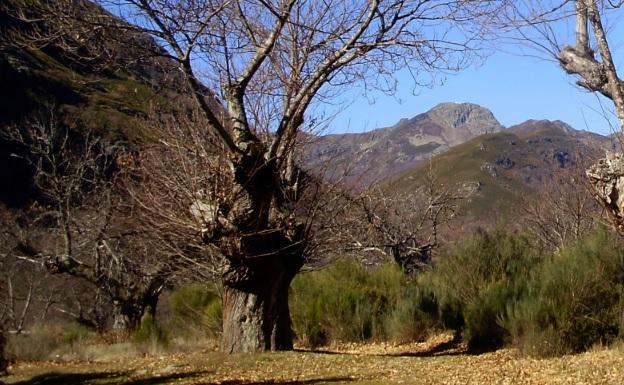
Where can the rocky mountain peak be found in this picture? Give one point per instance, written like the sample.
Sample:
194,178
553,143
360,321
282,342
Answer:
390,150
469,118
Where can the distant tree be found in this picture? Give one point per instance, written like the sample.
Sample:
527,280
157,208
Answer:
565,211
270,62
384,222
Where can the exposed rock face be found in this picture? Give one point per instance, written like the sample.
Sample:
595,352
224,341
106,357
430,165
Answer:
388,151
467,120
607,179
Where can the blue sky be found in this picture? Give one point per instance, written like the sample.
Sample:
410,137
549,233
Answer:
514,87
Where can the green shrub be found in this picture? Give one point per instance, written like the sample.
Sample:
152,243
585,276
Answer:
150,332
474,283
414,317
347,302
213,318
77,333
196,309
574,299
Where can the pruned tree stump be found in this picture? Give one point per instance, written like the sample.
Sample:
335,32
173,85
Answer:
607,180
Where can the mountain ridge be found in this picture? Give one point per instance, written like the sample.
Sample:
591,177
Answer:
389,150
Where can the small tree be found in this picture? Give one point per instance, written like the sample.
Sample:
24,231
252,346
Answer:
566,210
382,221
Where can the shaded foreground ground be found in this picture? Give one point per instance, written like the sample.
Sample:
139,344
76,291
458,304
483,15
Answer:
435,362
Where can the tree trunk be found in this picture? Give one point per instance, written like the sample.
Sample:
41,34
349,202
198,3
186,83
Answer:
3,361
126,316
255,308
256,320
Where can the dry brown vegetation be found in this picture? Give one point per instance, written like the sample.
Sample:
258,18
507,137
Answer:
436,361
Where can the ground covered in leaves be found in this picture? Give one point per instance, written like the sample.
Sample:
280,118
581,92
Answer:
437,361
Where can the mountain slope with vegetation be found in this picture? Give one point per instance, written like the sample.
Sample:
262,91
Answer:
498,172
90,83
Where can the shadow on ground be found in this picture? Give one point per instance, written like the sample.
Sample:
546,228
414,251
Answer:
117,378
447,348
121,378
322,380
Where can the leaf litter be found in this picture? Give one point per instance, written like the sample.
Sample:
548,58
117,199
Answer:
435,361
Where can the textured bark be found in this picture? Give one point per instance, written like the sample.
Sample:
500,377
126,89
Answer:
607,179
125,317
256,317
127,314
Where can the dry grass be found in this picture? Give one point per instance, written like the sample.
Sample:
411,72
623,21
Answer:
434,362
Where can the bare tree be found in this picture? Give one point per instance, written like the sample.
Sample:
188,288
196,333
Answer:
270,62
386,223
80,226
566,210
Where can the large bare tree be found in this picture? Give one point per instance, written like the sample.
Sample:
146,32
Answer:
270,62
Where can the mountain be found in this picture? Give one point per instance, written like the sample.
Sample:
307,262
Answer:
499,171
96,83
386,151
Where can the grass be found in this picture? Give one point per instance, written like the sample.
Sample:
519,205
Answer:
371,364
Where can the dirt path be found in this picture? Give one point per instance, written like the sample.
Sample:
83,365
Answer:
435,362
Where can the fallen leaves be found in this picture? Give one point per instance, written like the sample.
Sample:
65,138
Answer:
434,362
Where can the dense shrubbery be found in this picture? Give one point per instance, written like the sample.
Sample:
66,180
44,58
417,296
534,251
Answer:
346,302
475,282
196,309
492,289
574,299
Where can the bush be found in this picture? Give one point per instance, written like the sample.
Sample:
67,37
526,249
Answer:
150,332
474,283
574,299
414,317
196,309
346,302
74,334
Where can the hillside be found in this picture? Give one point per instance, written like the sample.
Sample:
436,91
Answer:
110,93
497,171
387,151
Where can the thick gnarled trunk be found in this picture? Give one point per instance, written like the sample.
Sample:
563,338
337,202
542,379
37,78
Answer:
256,317
607,179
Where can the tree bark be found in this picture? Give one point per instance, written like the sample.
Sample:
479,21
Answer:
127,314
257,318
3,361
255,300
125,317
